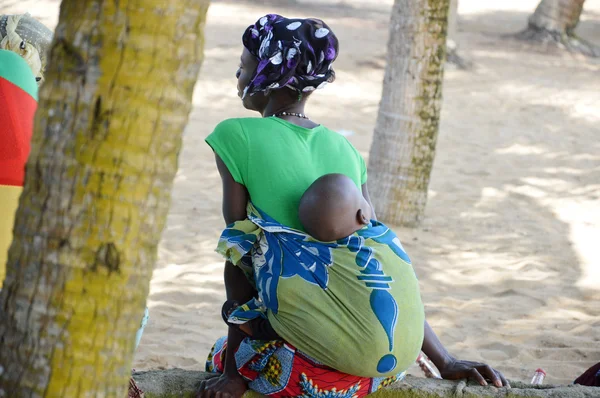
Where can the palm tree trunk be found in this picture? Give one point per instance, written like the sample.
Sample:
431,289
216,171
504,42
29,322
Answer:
452,19
560,16
97,190
453,54
405,137
554,22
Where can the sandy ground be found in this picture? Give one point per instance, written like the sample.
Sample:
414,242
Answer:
507,256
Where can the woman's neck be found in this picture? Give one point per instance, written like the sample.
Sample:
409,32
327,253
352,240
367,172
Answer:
275,107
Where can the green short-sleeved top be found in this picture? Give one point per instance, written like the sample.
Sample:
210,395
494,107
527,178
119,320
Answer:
277,161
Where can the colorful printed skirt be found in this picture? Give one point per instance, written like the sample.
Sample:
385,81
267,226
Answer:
277,369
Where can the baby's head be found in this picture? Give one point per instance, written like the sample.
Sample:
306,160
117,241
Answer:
333,208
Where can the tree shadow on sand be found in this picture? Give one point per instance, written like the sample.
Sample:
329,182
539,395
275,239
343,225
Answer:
521,242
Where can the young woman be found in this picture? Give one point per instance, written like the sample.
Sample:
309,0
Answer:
271,161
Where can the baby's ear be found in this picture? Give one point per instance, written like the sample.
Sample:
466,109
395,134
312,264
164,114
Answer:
361,217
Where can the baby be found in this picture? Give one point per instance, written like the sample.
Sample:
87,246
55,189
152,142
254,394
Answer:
332,208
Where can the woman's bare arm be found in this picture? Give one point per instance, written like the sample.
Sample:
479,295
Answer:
235,195
237,287
450,367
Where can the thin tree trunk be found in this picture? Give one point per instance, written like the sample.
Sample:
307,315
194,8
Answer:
96,195
403,147
554,22
453,20
453,55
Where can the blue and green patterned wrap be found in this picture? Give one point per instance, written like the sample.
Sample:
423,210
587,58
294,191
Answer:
353,305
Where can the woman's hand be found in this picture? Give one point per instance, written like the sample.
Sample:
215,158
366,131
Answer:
453,369
224,386
457,369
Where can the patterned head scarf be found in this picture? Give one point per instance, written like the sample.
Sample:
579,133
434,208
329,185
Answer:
293,53
27,37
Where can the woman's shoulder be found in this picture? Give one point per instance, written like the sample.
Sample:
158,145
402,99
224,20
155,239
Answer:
241,122
337,137
232,127
334,134
239,129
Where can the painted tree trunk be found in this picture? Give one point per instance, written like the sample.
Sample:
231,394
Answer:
96,196
560,16
407,127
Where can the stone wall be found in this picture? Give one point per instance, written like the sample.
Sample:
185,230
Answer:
181,383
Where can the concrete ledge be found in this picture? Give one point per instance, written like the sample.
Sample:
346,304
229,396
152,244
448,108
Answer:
182,383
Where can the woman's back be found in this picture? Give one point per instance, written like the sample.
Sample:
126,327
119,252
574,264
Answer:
277,161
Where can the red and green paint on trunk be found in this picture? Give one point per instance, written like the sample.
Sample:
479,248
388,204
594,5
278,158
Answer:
18,102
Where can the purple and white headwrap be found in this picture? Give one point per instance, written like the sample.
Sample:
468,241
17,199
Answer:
293,53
